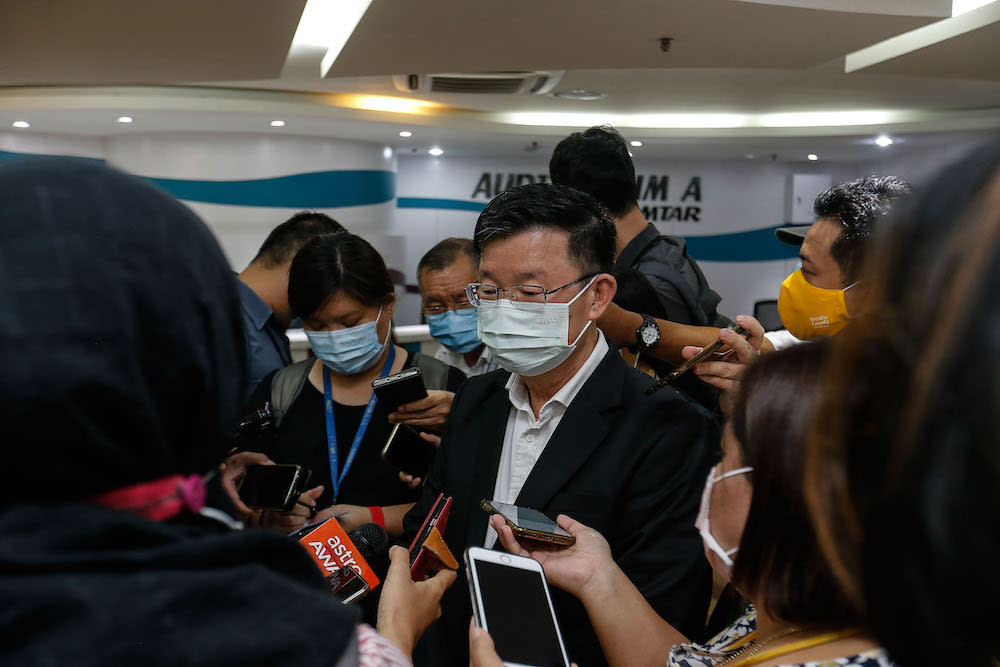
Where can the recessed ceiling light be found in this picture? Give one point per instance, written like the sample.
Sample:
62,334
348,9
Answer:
884,140
405,134
579,94
635,143
749,156
277,123
812,157
21,123
436,151
124,119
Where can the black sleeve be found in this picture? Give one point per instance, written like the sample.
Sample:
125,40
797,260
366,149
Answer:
664,556
434,484
455,379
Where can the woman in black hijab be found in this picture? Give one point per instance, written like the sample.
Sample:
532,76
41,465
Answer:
122,362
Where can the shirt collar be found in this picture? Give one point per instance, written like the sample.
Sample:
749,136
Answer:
518,392
630,253
258,311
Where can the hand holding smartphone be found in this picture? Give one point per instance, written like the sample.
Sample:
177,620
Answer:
399,389
529,524
705,353
273,487
511,601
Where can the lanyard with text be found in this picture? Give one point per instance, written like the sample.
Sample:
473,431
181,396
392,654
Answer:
331,427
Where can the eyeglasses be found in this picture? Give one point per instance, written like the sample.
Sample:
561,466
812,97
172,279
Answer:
440,308
479,293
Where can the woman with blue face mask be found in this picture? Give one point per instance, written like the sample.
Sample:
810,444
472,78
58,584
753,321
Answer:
757,535
340,287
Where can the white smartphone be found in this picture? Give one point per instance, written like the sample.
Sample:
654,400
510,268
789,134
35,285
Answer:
511,601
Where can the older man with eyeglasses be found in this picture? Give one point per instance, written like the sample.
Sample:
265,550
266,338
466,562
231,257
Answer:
442,275
564,427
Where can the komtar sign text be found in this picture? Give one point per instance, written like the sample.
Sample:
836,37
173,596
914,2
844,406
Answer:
654,193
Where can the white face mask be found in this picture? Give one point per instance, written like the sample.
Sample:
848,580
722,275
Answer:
528,338
702,523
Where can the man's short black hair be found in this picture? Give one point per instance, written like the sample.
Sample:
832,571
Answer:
592,234
858,205
288,238
444,253
597,162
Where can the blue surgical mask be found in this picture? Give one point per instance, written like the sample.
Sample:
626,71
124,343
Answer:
457,330
529,338
349,351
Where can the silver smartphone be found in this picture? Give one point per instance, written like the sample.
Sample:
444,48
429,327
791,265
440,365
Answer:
511,601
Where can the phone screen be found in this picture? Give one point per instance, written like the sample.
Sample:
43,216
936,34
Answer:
518,615
267,487
529,519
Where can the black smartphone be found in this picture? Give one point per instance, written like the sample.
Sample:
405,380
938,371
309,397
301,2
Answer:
273,487
399,388
529,524
511,601
407,451
705,353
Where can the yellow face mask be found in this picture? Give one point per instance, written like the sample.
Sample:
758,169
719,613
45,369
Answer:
811,312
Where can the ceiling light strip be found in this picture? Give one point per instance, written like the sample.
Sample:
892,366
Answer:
921,38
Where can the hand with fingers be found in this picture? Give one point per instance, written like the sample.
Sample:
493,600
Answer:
575,568
290,521
429,413
725,374
232,471
408,607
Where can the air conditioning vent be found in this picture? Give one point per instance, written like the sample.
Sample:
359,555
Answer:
490,83
479,86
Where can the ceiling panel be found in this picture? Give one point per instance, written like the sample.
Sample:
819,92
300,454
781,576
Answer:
430,36
144,41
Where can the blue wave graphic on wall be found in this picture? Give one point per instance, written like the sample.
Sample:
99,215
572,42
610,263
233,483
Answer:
755,245
6,156
440,204
322,189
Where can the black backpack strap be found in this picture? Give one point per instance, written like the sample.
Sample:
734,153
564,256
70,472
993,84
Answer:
286,385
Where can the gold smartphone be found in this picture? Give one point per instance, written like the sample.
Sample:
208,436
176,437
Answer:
529,524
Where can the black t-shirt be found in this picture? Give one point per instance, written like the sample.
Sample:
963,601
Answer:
301,439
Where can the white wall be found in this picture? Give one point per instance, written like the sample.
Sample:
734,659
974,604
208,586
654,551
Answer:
433,198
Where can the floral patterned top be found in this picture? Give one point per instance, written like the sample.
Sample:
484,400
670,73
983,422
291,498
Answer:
732,640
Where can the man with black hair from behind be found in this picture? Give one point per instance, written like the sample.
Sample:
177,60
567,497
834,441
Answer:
263,288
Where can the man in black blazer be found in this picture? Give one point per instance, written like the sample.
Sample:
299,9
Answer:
568,429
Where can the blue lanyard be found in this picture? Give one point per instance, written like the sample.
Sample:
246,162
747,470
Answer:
331,427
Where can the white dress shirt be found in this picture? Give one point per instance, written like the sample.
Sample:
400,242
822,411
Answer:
525,437
484,364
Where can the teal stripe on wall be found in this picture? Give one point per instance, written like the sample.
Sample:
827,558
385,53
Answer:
322,189
6,156
755,245
440,204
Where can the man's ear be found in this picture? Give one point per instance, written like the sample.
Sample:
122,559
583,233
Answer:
390,304
604,288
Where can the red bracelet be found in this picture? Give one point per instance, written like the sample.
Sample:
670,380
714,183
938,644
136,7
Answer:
377,515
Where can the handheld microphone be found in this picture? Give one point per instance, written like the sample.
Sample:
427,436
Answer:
344,557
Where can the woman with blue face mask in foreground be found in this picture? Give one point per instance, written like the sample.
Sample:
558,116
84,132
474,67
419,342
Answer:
757,535
340,287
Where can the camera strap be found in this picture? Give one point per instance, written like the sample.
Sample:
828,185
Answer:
331,426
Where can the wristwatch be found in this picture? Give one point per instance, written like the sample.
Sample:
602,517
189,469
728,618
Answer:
648,334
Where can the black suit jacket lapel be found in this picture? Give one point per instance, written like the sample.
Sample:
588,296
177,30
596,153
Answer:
488,440
581,430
